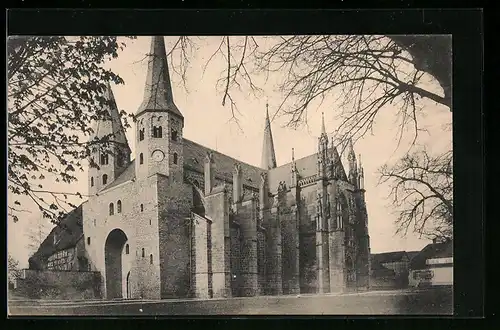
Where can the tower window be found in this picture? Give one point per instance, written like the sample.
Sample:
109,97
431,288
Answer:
119,206
141,134
111,209
127,249
143,252
175,158
157,132
104,179
88,240
174,135
141,159
104,159
95,222
142,208
92,181
151,259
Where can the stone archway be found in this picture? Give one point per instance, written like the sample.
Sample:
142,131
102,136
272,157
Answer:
113,248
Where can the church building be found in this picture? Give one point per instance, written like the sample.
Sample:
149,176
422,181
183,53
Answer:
178,219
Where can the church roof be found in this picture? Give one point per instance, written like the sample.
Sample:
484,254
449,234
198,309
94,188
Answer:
158,94
68,233
387,257
306,167
194,158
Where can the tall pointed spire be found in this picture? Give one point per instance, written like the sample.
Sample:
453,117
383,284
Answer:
323,128
268,154
158,94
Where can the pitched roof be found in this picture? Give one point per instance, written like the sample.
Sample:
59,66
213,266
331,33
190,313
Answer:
68,233
433,250
194,158
386,257
379,270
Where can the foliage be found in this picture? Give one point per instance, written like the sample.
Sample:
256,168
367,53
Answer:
13,270
55,90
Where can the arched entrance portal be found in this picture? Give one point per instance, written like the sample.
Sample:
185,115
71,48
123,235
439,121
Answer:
113,249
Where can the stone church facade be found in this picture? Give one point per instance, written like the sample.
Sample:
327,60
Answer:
182,220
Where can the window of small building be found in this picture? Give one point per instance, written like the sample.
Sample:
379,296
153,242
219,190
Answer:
175,158
143,254
157,132
119,206
141,159
104,159
151,259
104,179
174,135
127,249
142,208
150,222
141,134
111,209
92,181
88,240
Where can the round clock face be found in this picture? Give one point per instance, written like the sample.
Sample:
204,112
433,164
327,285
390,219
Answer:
158,155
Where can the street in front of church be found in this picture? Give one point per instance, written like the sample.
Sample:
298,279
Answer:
391,302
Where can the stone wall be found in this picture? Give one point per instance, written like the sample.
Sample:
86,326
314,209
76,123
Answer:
65,285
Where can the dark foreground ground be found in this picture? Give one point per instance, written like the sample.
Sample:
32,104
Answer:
423,302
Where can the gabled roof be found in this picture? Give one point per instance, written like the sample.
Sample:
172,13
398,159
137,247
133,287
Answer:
387,257
67,233
379,270
433,250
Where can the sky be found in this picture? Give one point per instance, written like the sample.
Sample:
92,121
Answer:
209,123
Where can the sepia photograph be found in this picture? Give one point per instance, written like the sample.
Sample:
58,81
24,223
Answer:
230,175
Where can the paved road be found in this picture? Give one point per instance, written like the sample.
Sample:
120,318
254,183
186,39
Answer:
430,302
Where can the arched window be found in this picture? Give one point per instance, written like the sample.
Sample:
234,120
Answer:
127,249
151,259
92,181
141,159
174,135
141,134
95,222
142,208
175,158
104,179
119,206
143,252
157,132
111,209
88,240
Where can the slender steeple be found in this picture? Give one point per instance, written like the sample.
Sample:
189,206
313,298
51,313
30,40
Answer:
351,157
158,94
323,127
268,155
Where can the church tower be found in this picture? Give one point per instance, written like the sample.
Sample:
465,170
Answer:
159,123
268,154
112,157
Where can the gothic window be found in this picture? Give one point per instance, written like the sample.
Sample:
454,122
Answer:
127,249
104,179
151,259
141,159
92,181
174,135
104,159
111,209
88,240
157,132
141,134
175,158
143,252
119,206
142,208
95,222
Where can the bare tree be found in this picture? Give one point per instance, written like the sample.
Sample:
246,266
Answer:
37,233
13,271
422,192
55,90
366,74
